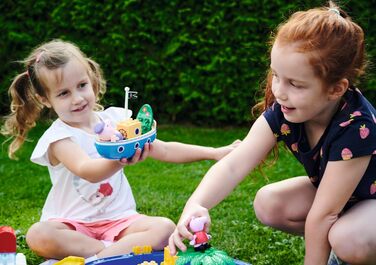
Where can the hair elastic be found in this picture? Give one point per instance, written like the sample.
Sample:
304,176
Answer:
335,10
38,56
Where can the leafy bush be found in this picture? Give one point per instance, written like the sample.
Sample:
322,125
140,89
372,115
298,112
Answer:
193,61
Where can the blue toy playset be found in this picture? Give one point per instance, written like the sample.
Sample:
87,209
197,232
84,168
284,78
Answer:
156,257
200,252
129,135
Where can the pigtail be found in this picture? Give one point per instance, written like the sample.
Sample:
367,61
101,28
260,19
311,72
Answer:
25,110
28,88
99,83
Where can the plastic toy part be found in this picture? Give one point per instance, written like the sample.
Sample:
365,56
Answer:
145,116
167,258
7,246
137,250
125,148
20,259
148,263
106,132
129,128
7,240
71,260
131,259
200,239
210,256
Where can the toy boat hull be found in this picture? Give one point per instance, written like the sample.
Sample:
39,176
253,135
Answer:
125,148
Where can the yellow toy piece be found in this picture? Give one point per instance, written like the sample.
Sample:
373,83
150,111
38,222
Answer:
167,258
148,263
71,260
137,250
129,128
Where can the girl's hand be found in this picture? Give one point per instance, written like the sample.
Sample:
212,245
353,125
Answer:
224,150
181,231
140,155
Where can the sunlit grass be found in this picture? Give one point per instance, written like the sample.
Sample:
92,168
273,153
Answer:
162,189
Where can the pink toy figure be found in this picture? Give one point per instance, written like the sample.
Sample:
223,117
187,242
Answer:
200,237
106,132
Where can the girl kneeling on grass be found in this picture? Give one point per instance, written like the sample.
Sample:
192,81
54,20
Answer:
90,209
311,104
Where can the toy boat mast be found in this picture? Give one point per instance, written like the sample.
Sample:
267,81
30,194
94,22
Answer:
128,94
126,89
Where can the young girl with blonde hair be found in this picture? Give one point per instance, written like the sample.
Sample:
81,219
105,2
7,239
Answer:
313,106
90,209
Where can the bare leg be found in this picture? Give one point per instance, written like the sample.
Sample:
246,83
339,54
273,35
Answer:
148,230
56,240
284,205
353,236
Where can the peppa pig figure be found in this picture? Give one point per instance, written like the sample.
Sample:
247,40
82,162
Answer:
200,237
106,132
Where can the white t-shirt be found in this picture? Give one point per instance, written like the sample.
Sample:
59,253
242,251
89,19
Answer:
74,198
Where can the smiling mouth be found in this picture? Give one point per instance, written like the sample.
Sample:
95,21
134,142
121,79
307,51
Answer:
286,109
79,109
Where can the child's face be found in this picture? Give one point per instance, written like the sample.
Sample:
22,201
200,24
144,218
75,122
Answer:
71,94
297,89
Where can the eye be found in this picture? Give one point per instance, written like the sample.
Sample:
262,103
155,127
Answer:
83,84
296,85
63,93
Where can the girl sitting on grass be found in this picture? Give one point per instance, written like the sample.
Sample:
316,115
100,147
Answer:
90,209
313,106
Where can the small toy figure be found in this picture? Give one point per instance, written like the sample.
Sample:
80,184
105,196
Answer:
201,238
106,132
7,246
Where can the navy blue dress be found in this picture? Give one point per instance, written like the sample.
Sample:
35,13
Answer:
350,134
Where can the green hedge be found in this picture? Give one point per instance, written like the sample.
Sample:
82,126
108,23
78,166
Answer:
193,61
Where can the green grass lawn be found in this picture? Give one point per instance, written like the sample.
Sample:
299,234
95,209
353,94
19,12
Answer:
162,189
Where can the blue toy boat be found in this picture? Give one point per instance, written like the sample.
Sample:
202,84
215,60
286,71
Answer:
125,148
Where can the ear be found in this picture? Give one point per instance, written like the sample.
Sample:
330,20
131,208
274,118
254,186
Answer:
43,100
338,89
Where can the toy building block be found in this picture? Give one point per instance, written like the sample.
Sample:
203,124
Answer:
137,250
148,263
20,259
7,240
129,128
8,246
167,258
71,260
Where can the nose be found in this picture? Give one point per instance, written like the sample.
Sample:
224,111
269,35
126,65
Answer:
77,97
280,90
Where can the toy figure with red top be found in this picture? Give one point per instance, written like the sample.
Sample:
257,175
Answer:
200,237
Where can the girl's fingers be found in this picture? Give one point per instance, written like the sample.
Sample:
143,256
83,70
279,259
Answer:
145,152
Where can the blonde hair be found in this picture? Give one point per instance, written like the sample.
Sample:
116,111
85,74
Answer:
25,106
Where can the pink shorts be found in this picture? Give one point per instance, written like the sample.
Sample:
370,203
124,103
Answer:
102,230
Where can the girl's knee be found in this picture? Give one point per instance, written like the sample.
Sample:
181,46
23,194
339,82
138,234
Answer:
37,236
267,206
356,250
163,228
165,224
